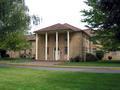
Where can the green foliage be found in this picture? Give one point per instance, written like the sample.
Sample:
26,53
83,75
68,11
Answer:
14,23
13,16
76,59
93,16
15,41
100,54
106,31
90,57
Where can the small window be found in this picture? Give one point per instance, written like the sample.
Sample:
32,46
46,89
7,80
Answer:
65,50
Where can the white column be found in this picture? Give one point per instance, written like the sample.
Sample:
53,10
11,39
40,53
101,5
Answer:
46,45
68,45
37,38
56,53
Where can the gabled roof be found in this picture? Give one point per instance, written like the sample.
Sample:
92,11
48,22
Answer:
59,27
72,27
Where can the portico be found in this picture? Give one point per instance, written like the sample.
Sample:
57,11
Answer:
57,50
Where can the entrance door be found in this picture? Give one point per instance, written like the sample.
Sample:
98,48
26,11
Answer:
54,52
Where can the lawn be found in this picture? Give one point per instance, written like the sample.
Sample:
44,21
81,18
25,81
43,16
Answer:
30,79
15,60
97,63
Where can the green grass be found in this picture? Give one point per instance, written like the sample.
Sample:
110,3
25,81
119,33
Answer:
97,63
29,79
16,60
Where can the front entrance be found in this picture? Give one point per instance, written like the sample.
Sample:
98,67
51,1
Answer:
54,52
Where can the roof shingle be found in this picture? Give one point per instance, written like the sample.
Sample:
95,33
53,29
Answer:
60,27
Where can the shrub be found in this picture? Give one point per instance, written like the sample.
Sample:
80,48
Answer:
99,54
76,59
91,57
3,53
109,57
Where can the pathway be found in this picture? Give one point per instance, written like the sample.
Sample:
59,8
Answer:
77,69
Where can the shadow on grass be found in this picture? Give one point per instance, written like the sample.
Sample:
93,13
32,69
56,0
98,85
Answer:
16,60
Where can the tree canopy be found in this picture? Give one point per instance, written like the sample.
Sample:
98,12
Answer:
14,23
104,18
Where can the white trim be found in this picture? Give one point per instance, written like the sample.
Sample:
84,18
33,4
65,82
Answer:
46,45
37,38
68,45
56,53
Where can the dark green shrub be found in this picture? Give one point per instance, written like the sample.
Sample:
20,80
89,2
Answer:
99,54
91,57
75,59
3,54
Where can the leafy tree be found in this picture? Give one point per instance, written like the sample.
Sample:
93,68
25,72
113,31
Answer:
14,16
14,23
104,18
15,41
112,21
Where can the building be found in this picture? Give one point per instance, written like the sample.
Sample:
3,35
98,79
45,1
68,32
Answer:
61,42
115,54
27,53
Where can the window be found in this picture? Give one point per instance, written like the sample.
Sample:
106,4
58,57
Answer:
48,38
55,49
54,38
65,50
66,38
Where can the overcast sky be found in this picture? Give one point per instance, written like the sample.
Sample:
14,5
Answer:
57,11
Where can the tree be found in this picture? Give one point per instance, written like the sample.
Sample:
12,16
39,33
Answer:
112,10
14,23
15,41
14,16
104,18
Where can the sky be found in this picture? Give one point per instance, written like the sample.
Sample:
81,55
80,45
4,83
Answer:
57,11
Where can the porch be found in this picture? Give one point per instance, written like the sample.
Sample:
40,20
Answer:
53,45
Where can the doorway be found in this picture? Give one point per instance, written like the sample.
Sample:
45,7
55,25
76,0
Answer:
54,52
